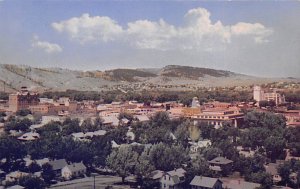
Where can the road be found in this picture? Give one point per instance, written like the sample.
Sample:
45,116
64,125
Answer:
88,183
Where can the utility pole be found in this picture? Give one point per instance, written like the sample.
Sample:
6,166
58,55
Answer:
94,175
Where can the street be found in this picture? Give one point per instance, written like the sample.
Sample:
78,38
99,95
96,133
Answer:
101,181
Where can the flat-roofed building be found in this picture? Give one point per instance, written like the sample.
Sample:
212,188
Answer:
22,100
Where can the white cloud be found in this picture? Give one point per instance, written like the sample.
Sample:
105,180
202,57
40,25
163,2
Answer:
86,28
198,32
45,45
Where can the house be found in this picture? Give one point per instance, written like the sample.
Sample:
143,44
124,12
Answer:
73,170
238,184
142,118
195,146
157,175
220,164
271,168
29,136
173,179
200,182
110,120
88,135
58,165
114,144
15,176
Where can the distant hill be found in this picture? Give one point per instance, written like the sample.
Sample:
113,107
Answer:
172,77
193,72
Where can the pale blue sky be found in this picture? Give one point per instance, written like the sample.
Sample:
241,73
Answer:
256,38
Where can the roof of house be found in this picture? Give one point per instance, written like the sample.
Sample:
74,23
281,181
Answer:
16,174
207,182
58,164
220,161
110,120
177,172
29,136
236,184
272,168
157,174
76,167
142,117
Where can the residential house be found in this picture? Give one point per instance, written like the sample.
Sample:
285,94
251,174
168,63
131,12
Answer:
220,164
271,168
200,182
73,170
195,146
15,176
58,165
173,179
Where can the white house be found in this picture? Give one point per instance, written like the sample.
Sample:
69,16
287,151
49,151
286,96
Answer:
173,179
195,146
14,176
73,170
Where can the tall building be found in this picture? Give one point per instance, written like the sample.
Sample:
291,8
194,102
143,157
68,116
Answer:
22,100
260,95
195,103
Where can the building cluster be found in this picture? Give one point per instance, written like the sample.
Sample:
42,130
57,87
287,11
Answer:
213,113
261,95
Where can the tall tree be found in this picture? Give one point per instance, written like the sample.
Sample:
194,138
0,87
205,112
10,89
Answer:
122,161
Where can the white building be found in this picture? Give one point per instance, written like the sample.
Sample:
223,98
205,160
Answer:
173,179
14,176
260,95
195,103
73,170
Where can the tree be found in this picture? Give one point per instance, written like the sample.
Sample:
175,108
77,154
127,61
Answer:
23,112
143,168
182,133
284,170
11,149
122,161
206,130
265,179
275,147
211,153
88,126
166,158
71,126
32,182
34,167
47,173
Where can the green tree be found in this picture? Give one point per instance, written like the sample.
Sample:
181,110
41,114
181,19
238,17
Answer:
166,158
265,179
34,167
211,153
284,170
47,173
275,147
143,168
23,112
182,133
32,182
122,161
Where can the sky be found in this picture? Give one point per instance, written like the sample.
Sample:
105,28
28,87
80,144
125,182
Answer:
260,38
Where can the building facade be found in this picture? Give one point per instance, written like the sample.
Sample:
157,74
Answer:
22,100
